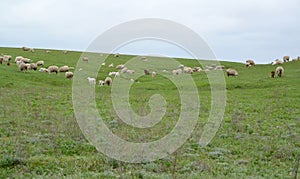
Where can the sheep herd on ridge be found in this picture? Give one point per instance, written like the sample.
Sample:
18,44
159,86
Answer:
25,64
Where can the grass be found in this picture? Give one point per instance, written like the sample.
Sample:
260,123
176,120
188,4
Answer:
39,136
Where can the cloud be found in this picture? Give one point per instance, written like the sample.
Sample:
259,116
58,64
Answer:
234,29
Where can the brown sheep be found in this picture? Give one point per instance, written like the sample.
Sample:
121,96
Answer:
272,74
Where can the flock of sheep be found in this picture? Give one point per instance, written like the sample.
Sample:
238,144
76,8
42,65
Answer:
25,64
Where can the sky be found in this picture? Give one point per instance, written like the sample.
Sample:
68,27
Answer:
235,30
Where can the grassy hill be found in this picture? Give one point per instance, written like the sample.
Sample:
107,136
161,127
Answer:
39,134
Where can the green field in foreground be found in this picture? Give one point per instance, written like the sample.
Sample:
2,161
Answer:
39,135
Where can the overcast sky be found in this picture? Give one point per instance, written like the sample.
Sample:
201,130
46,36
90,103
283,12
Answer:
234,29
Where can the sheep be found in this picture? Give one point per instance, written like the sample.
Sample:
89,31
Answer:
32,50
108,81
286,58
144,59
47,51
101,82
28,66
69,74
33,66
114,73
19,62
120,67
103,64
147,72
220,67
85,59
177,72
7,58
25,48
279,70
53,69
25,60
272,74
197,69
188,70
130,72
18,58
65,52
23,67
43,70
92,81
231,72
111,65
1,59
277,62
40,63
63,69
117,55
153,74
181,66
124,70
250,63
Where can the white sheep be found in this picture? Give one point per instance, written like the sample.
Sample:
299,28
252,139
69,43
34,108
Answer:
63,69
25,48
231,72
277,62
23,67
53,69
101,82
153,74
103,64
25,60
108,81
92,81
40,63
130,72
111,65
33,66
7,58
124,70
279,70
177,72
181,66
43,70
286,58
114,73
18,58
32,50
197,69
250,63
85,59
188,70
69,74
120,67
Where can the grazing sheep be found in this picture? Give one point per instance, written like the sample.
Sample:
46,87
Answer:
53,69
40,63
7,58
177,72
25,60
111,65
153,74
92,81
32,50
18,58
188,70
120,67
220,67
85,59
197,69
286,58
130,72
33,66
47,51
279,70
108,81
43,70
147,72
63,69
69,74
101,82
65,52
250,63
272,74
181,66
28,66
114,73
25,48
124,70
23,67
117,55
277,62
231,72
